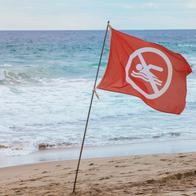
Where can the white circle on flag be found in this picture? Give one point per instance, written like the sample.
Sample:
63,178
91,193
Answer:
145,74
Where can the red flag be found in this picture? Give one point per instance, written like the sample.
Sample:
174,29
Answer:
146,70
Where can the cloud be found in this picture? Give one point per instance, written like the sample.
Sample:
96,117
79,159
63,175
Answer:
93,14
134,5
190,4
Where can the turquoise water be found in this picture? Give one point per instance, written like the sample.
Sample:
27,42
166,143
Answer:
46,79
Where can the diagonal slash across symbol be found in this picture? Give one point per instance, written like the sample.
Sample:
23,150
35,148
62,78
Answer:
144,72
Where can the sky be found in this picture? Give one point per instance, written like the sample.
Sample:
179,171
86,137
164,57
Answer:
93,14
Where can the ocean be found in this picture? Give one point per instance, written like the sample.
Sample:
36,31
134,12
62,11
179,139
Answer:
46,80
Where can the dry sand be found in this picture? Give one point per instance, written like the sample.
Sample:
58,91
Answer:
135,175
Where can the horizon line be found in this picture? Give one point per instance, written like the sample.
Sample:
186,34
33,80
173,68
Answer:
97,29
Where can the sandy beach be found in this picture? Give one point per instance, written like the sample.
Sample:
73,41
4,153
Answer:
166,174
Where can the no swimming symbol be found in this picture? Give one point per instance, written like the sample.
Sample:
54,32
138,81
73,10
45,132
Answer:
144,72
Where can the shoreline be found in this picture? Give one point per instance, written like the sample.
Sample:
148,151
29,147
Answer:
171,174
116,150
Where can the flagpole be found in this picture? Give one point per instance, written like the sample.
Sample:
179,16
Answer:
90,106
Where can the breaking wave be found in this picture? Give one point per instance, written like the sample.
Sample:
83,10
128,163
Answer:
124,138
46,80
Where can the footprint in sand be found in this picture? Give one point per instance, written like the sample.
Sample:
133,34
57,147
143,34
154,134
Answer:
44,172
105,178
163,159
181,156
121,166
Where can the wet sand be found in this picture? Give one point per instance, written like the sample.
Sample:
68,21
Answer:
172,174
72,153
